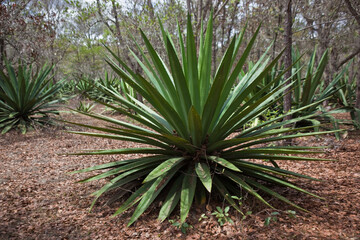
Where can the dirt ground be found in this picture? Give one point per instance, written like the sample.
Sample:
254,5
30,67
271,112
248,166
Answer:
40,200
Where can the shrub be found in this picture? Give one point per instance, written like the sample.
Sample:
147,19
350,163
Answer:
189,128
26,98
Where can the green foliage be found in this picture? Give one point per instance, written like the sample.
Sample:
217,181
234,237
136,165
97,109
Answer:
347,92
26,98
271,218
191,151
202,217
68,88
109,82
182,226
274,216
85,86
93,88
222,215
291,213
128,92
311,88
85,107
347,97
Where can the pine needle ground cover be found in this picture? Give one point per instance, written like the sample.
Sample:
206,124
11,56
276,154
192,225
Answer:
38,200
186,125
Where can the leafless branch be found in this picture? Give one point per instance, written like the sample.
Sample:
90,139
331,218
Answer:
322,23
353,11
356,52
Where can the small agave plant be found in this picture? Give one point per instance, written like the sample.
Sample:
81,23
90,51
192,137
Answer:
27,98
190,128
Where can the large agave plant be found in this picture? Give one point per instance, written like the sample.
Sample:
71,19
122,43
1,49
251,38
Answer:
26,98
190,130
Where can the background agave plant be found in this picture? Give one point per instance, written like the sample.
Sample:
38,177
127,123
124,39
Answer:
189,128
26,98
310,88
347,98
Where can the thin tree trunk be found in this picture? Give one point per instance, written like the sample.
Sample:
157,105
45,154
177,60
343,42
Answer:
2,53
223,26
214,49
288,58
198,23
276,32
188,5
231,26
357,103
288,63
117,25
151,10
117,36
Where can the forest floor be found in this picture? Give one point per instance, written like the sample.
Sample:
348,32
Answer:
40,200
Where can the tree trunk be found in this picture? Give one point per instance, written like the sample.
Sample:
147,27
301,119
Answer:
198,23
214,50
288,58
223,26
276,32
357,103
2,53
288,63
233,17
188,5
151,10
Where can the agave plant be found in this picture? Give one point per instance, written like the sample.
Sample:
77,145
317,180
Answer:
84,86
275,109
108,82
191,152
85,107
128,91
26,98
311,88
347,97
68,88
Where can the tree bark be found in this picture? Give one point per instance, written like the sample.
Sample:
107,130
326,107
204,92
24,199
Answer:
231,26
198,23
223,26
353,11
188,5
357,103
288,63
276,32
151,10
2,53
288,58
